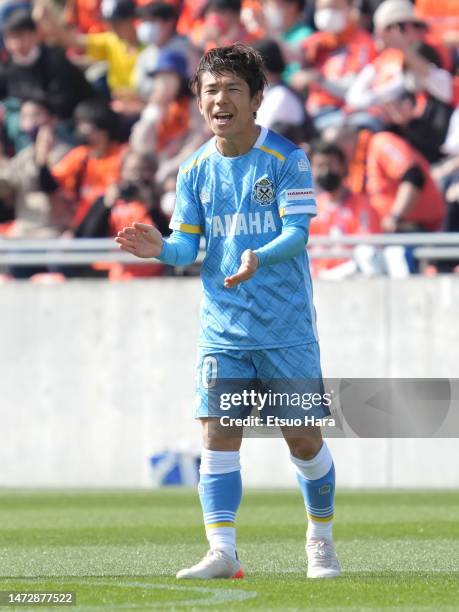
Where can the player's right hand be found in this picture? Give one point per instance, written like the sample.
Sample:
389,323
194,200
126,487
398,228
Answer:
141,240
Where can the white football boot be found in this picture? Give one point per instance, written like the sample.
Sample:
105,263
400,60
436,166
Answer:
216,564
322,559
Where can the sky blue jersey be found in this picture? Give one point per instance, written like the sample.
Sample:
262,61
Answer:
240,203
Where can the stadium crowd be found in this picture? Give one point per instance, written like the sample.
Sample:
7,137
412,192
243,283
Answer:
97,114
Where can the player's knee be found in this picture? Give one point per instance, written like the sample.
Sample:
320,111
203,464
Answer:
304,448
214,437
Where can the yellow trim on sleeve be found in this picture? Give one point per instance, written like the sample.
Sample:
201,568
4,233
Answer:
281,212
198,160
321,519
189,229
273,152
223,524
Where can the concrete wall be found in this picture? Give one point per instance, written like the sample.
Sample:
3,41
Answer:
97,376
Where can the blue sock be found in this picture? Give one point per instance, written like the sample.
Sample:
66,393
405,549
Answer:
316,478
220,495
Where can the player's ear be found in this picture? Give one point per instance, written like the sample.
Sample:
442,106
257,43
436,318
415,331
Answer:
256,100
198,102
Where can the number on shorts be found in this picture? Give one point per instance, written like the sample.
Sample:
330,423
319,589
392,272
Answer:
209,365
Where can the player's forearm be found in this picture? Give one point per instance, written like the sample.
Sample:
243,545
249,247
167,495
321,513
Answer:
290,243
180,249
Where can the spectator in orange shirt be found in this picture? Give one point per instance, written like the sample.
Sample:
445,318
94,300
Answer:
383,80
443,18
84,15
87,170
399,181
333,57
339,210
170,124
134,198
222,26
191,15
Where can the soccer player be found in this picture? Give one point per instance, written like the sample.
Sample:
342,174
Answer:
249,191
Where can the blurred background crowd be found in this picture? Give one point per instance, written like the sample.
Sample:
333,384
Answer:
96,113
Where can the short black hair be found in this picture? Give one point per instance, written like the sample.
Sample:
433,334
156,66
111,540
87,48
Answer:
158,10
223,5
300,3
321,147
117,10
97,112
271,54
303,133
239,59
40,99
19,21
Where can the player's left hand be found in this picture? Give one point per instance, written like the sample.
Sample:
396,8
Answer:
249,264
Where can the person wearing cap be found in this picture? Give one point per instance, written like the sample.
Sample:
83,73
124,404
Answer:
34,68
398,28
170,125
118,47
157,31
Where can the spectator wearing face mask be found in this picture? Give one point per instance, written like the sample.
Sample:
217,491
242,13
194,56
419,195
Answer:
87,170
333,58
133,198
36,214
33,69
339,210
157,31
170,125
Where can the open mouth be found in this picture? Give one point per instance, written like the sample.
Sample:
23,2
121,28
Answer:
223,118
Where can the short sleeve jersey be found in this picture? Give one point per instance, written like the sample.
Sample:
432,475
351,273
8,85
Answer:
240,203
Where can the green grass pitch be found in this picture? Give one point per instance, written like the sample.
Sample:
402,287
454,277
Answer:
120,550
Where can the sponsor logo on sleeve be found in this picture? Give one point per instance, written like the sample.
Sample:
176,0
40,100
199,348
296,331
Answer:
293,195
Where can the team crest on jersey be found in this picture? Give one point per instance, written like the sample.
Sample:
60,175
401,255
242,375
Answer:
263,191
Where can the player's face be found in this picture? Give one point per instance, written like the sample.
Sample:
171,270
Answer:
226,104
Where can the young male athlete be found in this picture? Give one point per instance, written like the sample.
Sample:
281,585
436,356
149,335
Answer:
249,191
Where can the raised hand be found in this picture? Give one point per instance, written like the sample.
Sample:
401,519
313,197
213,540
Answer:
44,144
141,240
249,264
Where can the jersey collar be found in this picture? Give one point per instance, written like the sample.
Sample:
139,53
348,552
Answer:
258,143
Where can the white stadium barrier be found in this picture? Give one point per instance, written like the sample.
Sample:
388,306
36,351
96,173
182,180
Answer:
98,376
